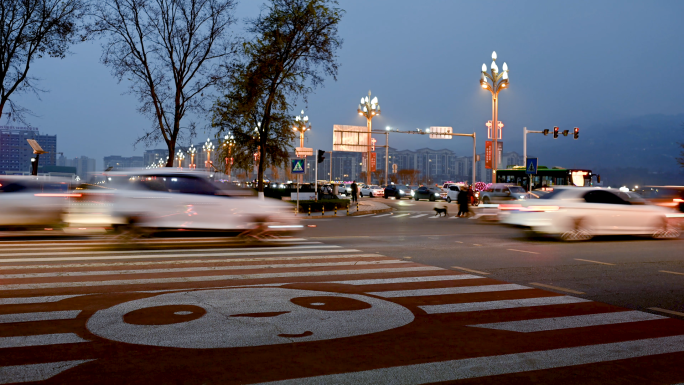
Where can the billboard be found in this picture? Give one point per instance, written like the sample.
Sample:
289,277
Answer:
350,138
436,131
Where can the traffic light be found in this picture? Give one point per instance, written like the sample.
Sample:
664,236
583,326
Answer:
565,132
576,135
545,132
555,132
320,156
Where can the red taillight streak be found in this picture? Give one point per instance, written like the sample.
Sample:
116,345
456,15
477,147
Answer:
542,208
58,195
678,200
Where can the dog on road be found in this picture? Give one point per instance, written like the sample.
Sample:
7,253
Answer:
441,211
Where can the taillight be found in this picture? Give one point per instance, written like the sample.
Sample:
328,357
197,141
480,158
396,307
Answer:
505,207
678,200
542,208
58,195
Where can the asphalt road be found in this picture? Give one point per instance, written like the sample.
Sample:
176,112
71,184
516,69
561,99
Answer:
632,272
397,298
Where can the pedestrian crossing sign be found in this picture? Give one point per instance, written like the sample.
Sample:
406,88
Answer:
531,165
298,166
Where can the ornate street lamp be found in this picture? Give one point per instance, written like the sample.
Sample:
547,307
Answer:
301,125
192,151
228,143
208,147
369,108
180,156
494,82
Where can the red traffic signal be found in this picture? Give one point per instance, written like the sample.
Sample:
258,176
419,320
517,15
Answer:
576,134
555,132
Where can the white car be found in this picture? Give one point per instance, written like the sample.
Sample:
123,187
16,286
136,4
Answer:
575,213
371,191
161,199
452,191
33,202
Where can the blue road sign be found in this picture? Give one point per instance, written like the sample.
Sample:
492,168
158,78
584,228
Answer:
298,166
531,165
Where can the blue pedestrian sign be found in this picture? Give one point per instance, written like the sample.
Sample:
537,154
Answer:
531,165
298,166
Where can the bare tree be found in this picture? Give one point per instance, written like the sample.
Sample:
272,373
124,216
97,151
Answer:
170,51
30,30
294,47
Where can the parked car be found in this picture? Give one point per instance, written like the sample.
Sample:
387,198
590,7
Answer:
575,214
429,193
499,192
397,191
181,200
371,191
33,202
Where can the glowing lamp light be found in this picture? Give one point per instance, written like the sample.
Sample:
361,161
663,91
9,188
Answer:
505,67
493,55
484,67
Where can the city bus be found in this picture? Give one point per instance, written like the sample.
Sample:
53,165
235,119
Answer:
545,177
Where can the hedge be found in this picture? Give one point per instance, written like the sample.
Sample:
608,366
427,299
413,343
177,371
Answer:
317,206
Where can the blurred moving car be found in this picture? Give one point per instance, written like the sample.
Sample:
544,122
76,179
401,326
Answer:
181,200
28,202
371,191
397,191
499,192
429,193
575,214
666,196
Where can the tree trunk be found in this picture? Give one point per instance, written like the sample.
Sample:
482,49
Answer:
171,145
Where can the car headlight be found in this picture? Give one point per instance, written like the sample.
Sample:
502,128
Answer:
436,194
413,193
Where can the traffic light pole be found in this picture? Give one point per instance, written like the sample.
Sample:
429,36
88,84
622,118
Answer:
526,131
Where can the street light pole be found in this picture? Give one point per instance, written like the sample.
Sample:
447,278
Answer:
368,108
192,151
228,143
208,147
302,125
498,81
387,130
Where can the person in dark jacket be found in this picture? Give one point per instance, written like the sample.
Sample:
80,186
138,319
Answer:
462,203
354,191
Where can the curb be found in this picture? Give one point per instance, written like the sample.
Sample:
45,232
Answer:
387,210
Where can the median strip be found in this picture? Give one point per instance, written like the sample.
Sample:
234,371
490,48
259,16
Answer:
556,288
600,263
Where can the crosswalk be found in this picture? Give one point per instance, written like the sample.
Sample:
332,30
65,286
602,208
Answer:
302,312
412,215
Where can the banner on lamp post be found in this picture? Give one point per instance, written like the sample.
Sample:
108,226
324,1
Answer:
488,154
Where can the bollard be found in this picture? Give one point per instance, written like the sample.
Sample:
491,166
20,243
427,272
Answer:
347,210
357,205
322,209
309,210
335,210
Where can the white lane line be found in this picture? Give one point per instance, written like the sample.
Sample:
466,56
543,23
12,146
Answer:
115,257
401,215
195,261
366,215
523,251
600,263
469,270
556,288
383,215
569,322
25,300
667,311
453,370
40,340
434,278
670,272
35,372
191,269
448,290
503,304
38,316
206,251
418,216
34,286
30,247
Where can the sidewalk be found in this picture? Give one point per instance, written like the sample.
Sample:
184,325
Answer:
364,207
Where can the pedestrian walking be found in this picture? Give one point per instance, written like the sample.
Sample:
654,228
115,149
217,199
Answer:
462,203
471,195
354,191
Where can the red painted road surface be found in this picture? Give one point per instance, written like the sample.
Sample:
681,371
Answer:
305,313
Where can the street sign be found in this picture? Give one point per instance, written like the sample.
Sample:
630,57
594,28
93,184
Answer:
298,166
531,165
350,138
304,151
488,154
436,131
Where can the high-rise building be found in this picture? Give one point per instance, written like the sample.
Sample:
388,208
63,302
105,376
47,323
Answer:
16,153
117,162
84,165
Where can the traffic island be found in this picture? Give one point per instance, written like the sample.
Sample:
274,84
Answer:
330,208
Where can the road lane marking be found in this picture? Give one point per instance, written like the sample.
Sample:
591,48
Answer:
458,241
418,216
86,247
570,322
433,372
114,257
600,263
195,261
556,288
523,251
401,215
38,316
40,340
25,300
383,215
366,215
667,311
434,278
195,269
53,285
448,290
469,270
670,272
35,372
502,304
476,244
342,237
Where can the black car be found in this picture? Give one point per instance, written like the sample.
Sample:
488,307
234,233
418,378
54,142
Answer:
429,193
397,192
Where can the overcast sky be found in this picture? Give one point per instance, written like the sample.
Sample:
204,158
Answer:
572,63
